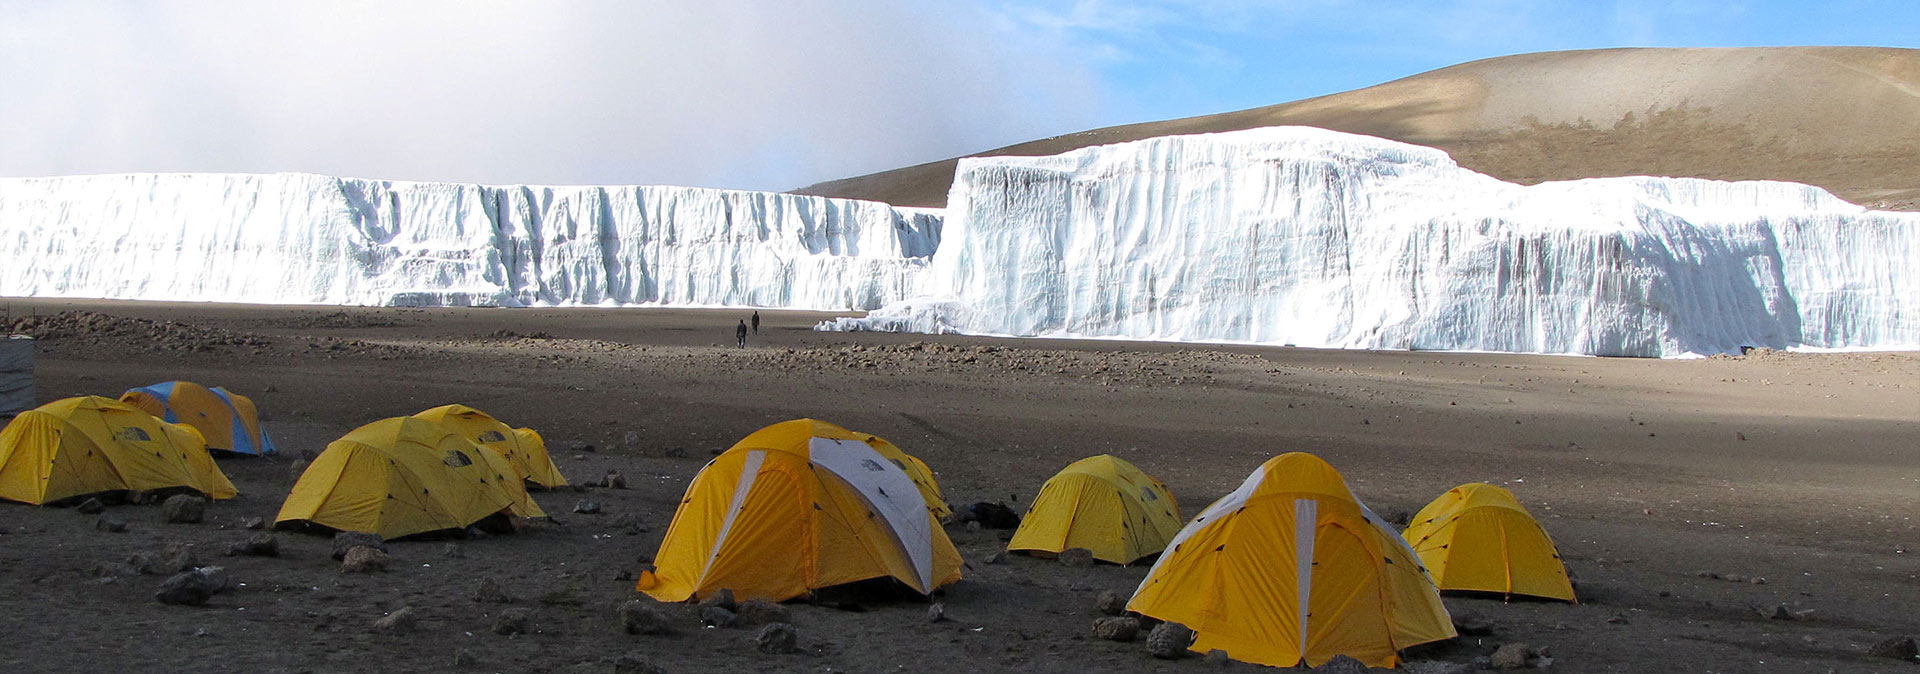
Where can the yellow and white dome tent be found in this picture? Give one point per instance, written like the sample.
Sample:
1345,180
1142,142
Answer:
89,445
523,447
1478,538
403,476
916,469
1290,567
1104,504
794,507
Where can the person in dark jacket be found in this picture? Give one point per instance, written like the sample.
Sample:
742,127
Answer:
756,322
740,334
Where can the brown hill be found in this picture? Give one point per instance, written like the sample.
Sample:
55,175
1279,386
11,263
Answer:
1843,118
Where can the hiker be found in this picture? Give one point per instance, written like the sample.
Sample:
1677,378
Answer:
756,321
740,334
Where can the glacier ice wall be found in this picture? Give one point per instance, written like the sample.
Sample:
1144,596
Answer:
1308,237
309,239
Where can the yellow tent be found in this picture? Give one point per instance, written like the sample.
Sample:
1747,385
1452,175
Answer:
403,476
1290,567
916,469
797,506
1104,504
1478,538
522,446
89,444
228,420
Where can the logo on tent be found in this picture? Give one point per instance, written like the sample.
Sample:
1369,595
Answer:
132,434
871,465
492,436
458,459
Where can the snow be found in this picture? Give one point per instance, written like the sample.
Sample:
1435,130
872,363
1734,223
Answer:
1307,237
309,239
1283,235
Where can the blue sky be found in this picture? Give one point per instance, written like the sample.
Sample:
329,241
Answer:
757,94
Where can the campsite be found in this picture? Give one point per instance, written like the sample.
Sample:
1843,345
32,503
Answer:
1720,514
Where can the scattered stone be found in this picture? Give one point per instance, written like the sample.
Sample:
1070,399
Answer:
1110,602
714,616
1781,612
1218,658
998,557
631,440
348,540
362,559
937,613
638,617
1472,624
1898,648
777,639
399,622
1120,629
587,507
1734,578
190,588
613,480
761,611
112,570
296,469
110,524
463,659
91,506
973,526
452,551
1078,558
255,523
1509,656
259,545
177,558
1437,667
183,509
512,621
1757,580
722,599
1398,518
634,664
1342,664
676,452
1708,574
217,578
1619,619
489,592
1169,641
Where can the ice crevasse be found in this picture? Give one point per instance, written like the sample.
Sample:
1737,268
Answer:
1308,237
309,239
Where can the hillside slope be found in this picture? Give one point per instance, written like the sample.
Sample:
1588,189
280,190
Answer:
1842,118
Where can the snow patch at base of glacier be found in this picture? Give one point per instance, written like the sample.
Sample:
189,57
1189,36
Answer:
1314,238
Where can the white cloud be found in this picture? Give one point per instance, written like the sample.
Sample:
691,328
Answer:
764,94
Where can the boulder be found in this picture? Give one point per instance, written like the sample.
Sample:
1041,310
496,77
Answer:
512,621
998,557
1472,624
714,616
1898,648
1078,558
1169,641
613,480
777,639
255,523
347,540
761,612
1509,656
190,588
110,524
176,558
937,613
587,507
183,509
258,545
362,559
452,551
488,592
639,617
91,506
1116,628
1110,603
397,622
217,578
722,599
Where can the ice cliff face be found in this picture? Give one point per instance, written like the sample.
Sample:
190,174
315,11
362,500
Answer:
308,239
1315,238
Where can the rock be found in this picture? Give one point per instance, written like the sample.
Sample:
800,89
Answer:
1898,648
1437,667
722,599
1078,558
488,592
1110,603
463,659
112,570
347,540
761,612
676,452
714,616
777,639
183,509
217,578
638,617
110,524
1218,658
255,523
1781,612
91,506
1342,664
512,621
1169,641
998,557
1397,517
634,664
177,558
1509,656
613,480
362,559
399,622
587,507
259,545
296,469
1472,624
1116,629
190,588
631,440
937,613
